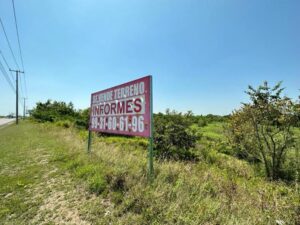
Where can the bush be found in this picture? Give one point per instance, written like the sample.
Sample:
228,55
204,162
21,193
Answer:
61,113
53,111
173,137
82,119
202,123
64,123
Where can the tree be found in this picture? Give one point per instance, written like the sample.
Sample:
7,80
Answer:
263,129
53,111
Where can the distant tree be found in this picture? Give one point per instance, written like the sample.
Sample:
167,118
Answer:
10,115
53,111
262,129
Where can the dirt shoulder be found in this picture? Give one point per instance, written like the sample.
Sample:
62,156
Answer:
34,189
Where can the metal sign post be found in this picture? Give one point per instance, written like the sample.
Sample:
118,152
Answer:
89,142
150,148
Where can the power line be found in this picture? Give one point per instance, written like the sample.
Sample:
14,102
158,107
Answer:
8,67
19,43
2,68
8,42
4,73
12,77
16,24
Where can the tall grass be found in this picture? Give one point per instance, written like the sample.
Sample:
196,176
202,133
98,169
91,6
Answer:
218,189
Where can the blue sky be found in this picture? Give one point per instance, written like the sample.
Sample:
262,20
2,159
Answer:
201,53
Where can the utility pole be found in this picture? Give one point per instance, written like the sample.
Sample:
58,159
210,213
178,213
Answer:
24,109
17,93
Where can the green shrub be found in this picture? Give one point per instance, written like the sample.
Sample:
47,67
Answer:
85,171
173,137
97,184
63,114
82,119
52,111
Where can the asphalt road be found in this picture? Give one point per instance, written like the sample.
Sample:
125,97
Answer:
4,121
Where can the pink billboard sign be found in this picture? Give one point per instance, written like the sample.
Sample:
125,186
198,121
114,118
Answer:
124,109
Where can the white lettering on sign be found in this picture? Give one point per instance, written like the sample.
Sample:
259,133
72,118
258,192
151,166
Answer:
124,109
126,106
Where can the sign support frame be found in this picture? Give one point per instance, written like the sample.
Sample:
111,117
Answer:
150,147
150,137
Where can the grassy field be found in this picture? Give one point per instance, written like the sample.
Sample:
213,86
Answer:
46,177
213,131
